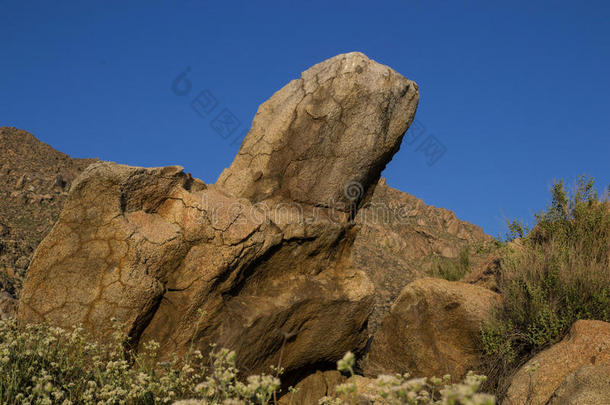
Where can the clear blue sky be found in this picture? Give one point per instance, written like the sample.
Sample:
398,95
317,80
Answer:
518,92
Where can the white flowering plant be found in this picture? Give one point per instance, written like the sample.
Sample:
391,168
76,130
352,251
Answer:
43,365
403,390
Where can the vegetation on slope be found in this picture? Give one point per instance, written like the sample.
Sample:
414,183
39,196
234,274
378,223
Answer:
557,274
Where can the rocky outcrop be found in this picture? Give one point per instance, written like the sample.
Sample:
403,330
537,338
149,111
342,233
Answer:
589,385
400,239
34,184
587,344
324,139
432,329
261,262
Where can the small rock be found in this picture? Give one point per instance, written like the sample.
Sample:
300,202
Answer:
22,263
59,182
20,183
313,387
486,274
4,230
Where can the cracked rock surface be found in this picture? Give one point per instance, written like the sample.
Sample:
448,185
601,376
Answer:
336,126
262,261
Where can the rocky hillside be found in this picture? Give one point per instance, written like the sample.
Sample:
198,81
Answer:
400,239
34,184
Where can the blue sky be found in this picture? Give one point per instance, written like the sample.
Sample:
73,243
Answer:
516,91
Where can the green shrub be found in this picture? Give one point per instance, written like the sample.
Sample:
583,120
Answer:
558,275
451,269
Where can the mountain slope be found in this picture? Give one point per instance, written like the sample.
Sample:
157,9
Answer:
34,181
401,239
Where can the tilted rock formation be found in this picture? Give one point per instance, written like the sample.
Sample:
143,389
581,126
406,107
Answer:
34,184
260,263
432,329
324,139
588,343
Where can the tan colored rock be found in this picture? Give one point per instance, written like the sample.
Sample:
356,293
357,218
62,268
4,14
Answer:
432,329
589,385
398,239
487,272
21,182
180,262
313,387
324,139
588,343
188,264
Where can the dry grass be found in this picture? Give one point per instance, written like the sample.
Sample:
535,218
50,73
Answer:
562,274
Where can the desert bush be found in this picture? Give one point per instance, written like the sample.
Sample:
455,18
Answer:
403,390
40,364
451,269
47,365
560,274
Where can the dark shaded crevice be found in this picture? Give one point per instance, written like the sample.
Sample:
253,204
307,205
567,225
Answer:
292,377
245,274
141,323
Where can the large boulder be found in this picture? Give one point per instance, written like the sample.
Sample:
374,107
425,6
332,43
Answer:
259,263
589,385
587,343
432,329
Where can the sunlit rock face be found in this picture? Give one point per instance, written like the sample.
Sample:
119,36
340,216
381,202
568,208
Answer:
262,261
